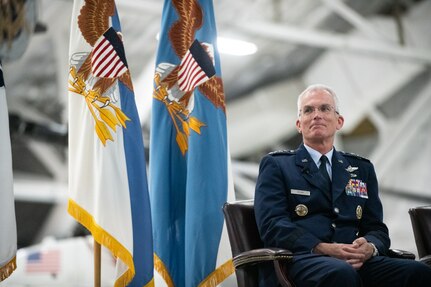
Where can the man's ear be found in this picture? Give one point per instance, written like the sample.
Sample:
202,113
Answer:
298,126
340,122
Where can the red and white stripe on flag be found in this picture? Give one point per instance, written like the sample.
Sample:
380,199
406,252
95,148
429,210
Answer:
105,62
190,74
196,67
43,262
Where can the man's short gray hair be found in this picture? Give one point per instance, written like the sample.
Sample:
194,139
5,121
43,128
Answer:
314,88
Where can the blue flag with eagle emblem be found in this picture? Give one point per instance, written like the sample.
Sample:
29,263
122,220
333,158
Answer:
108,190
189,156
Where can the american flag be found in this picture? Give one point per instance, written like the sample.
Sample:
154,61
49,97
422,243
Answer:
195,68
108,58
43,262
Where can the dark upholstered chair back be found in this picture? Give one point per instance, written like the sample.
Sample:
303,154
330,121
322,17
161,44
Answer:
421,223
243,236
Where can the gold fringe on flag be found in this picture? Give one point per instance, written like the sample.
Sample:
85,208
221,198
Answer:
214,279
219,275
150,284
163,271
7,270
104,238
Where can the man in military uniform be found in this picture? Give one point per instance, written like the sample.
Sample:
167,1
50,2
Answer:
324,206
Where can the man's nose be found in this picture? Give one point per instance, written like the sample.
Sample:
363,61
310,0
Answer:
317,113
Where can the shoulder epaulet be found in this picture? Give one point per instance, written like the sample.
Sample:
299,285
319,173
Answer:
354,155
283,152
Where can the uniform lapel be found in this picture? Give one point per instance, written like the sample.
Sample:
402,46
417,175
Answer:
340,176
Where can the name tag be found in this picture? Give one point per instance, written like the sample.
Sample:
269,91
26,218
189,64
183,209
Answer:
300,192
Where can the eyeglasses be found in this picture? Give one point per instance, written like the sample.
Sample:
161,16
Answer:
324,109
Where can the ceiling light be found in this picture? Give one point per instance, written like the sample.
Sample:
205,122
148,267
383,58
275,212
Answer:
235,47
231,46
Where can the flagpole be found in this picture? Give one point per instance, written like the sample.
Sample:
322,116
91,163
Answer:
97,269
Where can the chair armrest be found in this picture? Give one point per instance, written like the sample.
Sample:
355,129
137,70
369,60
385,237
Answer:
398,253
256,256
426,259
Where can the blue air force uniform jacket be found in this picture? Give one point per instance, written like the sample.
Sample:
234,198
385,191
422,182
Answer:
294,210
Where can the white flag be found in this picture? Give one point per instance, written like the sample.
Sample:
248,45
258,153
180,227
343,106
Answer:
108,191
7,209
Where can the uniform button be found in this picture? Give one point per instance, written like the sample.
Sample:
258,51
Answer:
336,210
334,225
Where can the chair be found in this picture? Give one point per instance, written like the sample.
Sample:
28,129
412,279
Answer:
421,223
247,247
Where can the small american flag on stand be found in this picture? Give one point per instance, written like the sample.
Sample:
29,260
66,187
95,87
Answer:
47,261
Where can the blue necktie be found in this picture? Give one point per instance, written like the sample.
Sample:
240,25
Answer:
324,171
